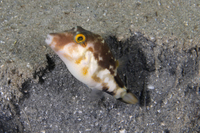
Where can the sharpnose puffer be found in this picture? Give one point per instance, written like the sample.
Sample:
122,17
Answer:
89,59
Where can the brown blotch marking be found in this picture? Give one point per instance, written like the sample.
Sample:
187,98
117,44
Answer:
105,89
118,81
90,49
95,78
105,85
85,70
102,50
111,68
84,44
61,40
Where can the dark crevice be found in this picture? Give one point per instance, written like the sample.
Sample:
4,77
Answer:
140,63
25,89
144,98
167,131
42,71
51,63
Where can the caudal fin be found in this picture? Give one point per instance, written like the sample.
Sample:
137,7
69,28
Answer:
130,98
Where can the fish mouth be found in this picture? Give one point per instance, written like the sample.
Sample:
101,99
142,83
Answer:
49,39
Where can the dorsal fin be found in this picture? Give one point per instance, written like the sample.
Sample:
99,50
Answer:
122,62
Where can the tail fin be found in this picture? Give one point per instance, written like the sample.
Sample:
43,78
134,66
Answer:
129,98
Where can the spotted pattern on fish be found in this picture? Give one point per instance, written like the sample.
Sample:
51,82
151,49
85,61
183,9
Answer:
85,70
89,59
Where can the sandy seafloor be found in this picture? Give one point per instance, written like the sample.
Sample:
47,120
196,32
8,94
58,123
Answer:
160,39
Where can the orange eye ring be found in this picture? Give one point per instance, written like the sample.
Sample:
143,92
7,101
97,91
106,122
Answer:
80,38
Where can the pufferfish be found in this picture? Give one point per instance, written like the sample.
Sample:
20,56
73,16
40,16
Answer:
89,59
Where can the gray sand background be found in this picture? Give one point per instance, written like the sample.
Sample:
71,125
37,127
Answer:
161,39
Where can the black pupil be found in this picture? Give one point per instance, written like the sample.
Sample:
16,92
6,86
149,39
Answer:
80,38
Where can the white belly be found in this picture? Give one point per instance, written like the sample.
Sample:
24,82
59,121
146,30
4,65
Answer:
84,70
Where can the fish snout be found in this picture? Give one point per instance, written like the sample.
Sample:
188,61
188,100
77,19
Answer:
49,39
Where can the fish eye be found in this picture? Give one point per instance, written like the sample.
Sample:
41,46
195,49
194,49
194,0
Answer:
80,38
